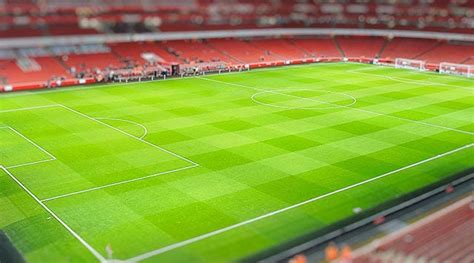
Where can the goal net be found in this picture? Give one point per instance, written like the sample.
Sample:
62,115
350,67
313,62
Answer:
456,69
410,64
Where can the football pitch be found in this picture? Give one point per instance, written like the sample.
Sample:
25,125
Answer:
217,168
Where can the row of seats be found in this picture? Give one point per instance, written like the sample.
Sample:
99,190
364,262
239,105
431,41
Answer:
444,238
238,51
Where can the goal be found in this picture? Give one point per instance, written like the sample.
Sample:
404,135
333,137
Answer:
456,69
410,64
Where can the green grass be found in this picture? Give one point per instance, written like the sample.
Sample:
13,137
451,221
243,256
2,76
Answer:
241,146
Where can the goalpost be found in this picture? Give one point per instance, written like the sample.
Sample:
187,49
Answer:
456,69
410,64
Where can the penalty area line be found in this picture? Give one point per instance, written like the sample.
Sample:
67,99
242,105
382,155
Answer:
51,157
276,212
118,183
68,228
130,135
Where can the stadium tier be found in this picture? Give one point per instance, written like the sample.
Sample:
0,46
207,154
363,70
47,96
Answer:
289,131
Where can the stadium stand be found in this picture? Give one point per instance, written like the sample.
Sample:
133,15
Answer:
368,47
407,47
53,18
448,52
92,61
445,236
57,61
196,51
243,51
49,68
135,51
319,47
280,48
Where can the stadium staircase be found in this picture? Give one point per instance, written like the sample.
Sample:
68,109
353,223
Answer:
295,46
319,47
447,52
385,44
28,64
279,48
367,47
194,51
420,55
407,48
339,48
224,52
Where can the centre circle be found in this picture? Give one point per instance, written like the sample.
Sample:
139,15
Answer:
303,99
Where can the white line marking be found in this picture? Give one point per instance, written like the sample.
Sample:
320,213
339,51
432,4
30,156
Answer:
342,106
30,141
405,80
69,229
279,92
130,135
145,130
117,183
225,229
28,164
30,108
51,157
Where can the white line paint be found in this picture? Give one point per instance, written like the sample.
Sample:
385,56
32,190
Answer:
342,106
405,80
69,229
130,135
117,183
28,164
33,143
254,98
30,108
51,157
276,212
145,130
